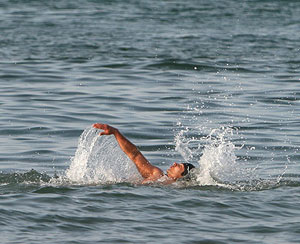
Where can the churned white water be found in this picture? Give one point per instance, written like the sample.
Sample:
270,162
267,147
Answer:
214,153
99,159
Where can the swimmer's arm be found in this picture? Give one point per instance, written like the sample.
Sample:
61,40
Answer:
148,171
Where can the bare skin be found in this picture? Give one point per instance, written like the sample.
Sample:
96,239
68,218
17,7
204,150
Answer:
149,172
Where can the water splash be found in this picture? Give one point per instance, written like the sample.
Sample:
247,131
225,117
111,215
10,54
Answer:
99,159
217,162
218,165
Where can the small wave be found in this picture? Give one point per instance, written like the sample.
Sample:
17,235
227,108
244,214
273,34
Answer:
262,184
53,189
239,186
168,64
31,176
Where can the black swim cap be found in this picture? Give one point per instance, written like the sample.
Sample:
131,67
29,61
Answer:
187,168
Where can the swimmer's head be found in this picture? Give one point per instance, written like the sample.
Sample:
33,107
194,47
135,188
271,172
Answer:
177,171
187,168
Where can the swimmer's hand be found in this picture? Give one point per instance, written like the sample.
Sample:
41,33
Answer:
108,130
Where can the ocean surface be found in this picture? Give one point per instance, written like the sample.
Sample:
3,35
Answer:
213,83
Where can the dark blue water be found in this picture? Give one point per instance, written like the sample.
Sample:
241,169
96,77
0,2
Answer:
213,83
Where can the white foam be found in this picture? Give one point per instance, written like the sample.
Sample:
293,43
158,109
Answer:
99,159
218,162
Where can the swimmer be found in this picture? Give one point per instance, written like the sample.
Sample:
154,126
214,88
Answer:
149,172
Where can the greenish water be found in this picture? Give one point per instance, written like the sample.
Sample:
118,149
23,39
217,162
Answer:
213,83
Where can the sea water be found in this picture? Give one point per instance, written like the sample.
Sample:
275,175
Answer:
212,83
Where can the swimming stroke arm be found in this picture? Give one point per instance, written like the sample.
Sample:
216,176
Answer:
148,171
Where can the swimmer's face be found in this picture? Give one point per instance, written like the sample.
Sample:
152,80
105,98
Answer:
175,171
